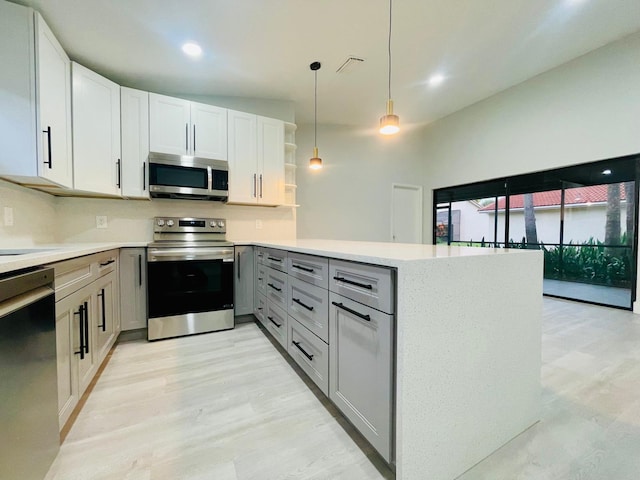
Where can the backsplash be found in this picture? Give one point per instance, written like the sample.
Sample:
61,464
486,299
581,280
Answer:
42,218
34,216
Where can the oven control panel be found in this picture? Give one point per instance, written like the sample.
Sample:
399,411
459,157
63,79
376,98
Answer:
189,225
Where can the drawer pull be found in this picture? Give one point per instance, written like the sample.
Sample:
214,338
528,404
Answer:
108,262
273,259
304,269
308,355
297,300
274,322
274,287
351,282
357,314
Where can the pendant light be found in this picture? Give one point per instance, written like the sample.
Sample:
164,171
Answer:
389,123
315,162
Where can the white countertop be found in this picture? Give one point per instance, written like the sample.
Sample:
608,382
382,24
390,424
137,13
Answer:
376,253
379,253
52,253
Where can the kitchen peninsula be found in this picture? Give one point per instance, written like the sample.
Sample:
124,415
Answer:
464,340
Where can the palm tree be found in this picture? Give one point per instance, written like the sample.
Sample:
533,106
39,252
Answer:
530,229
612,225
629,194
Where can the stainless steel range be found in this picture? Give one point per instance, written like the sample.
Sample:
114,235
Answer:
190,277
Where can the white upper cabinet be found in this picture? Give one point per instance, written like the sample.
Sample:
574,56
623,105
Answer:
271,161
169,122
182,127
243,166
256,159
209,131
97,166
134,127
35,101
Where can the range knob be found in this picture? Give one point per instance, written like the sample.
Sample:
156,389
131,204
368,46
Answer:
221,224
212,223
160,222
170,223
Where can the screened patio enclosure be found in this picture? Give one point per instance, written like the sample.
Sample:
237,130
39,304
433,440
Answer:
583,217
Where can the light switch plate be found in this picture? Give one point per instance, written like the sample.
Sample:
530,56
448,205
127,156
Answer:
101,221
258,224
8,217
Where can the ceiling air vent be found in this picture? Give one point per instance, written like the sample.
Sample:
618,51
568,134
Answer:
349,63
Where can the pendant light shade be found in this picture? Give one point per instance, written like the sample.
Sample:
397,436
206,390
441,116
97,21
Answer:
389,123
315,162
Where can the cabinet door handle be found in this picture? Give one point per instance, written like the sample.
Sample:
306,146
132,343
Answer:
186,137
297,300
238,263
86,328
357,314
108,262
260,185
48,132
273,259
144,176
118,174
274,287
304,269
103,325
306,354
255,186
80,312
139,270
194,138
274,322
351,282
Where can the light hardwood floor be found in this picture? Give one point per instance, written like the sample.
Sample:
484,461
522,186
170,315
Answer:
228,406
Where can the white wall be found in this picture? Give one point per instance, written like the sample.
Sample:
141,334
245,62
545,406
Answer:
41,218
584,110
350,198
34,216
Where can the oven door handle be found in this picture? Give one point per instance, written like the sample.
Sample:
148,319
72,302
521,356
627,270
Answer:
180,254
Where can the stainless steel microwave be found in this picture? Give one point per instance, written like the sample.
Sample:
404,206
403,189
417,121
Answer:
181,176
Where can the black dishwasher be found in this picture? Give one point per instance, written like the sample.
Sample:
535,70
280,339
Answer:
30,438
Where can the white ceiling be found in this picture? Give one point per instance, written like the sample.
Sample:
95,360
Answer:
263,48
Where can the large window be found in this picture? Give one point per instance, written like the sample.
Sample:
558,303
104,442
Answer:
583,218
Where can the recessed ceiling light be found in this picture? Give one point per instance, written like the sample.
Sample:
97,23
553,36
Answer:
606,172
192,49
436,80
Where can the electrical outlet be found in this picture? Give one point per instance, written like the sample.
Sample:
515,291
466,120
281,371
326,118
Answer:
258,224
8,217
101,221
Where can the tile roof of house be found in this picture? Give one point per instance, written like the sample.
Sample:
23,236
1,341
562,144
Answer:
573,196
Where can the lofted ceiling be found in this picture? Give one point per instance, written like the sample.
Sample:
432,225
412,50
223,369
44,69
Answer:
263,48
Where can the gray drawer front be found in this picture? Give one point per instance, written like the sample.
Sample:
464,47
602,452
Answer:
372,286
309,268
303,344
260,254
276,259
309,305
276,323
361,369
261,279
260,307
276,287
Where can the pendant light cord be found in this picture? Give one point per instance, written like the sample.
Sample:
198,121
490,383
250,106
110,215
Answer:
315,110
389,43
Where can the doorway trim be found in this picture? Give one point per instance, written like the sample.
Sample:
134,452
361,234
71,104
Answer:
406,186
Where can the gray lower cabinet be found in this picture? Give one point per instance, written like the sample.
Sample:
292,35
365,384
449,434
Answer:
309,305
260,308
361,373
244,280
311,353
276,287
277,324
133,288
